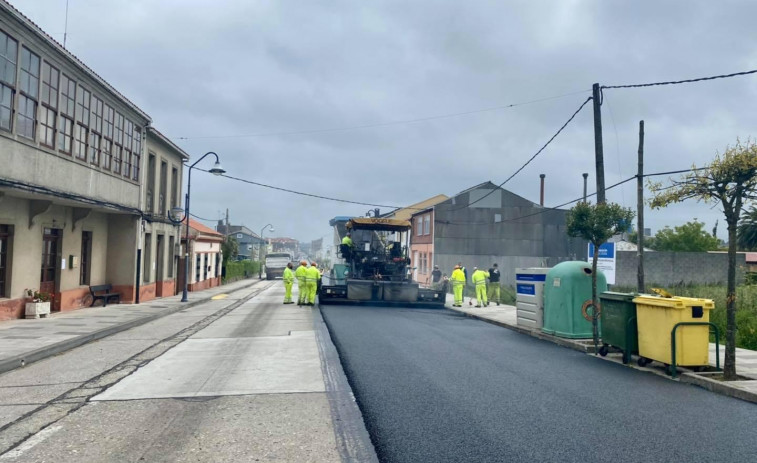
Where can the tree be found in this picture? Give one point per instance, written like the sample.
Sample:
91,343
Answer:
230,248
689,237
596,224
746,234
730,180
649,242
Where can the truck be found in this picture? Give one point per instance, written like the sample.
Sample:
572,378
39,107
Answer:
377,269
275,263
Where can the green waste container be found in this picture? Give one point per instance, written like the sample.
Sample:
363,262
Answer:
618,315
566,289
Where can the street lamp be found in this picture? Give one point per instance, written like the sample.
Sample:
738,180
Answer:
216,170
262,241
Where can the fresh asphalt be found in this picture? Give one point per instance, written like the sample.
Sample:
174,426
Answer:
434,385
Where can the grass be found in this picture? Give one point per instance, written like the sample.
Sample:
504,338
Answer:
746,308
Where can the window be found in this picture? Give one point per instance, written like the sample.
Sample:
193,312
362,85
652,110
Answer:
105,152
29,77
419,226
47,126
198,267
5,236
174,187
80,142
67,96
50,77
136,154
206,267
118,139
163,185
94,148
8,57
107,141
218,264
127,145
150,183
82,107
239,236
427,224
25,116
86,253
96,115
172,254
66,133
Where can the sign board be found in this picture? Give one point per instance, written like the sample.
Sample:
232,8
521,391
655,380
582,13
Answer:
606,260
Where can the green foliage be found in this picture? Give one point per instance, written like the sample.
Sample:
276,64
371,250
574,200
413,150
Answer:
230,248
597,223
747,231
649,241
689,237
236,270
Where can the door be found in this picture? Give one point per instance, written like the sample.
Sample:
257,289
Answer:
50,273
159,276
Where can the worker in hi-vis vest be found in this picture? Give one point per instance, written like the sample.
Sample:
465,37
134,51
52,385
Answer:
311,278
479,279
458,284
288,282
302,288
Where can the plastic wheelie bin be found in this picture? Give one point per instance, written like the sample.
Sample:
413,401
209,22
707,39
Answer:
618,317
656,319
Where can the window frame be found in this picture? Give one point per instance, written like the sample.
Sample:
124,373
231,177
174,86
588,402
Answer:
6,60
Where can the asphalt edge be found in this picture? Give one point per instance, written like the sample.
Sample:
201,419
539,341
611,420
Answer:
718,387
353,441
42,353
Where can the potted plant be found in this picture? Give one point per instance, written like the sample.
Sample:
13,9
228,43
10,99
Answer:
37,304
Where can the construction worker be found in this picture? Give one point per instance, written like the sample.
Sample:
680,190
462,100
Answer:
288,282
458,283
346,247
493,287
302,291
347,240
479,279
311,279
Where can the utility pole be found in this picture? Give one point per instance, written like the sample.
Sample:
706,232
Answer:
640,212
586,176
598,150
227,221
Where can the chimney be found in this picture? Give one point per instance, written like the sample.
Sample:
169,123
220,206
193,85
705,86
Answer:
541,196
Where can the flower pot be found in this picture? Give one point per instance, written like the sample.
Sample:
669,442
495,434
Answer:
37,309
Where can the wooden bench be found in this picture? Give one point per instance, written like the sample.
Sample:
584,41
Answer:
103,292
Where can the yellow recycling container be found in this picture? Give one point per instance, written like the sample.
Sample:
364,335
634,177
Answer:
656,316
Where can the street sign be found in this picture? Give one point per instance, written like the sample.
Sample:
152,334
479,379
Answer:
606,260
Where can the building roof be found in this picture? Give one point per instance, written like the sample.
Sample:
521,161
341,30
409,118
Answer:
167,141
406,212
203,230
34,28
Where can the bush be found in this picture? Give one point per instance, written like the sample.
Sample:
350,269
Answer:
237,270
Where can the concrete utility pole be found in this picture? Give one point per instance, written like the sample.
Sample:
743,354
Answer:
640,212
598,150
586,176
227,221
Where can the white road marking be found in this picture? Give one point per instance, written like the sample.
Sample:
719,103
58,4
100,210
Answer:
30,443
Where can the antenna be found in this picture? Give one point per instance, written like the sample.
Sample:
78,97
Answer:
65,29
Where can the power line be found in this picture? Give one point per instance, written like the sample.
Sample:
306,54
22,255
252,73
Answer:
676,82
534,156
302,193
384,124
200,218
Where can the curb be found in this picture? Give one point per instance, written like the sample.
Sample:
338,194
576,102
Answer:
57,348
718,387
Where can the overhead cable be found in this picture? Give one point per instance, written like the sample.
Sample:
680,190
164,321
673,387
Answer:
383,124
686,81
536,154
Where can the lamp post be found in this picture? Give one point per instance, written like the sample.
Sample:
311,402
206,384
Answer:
262,241
216,170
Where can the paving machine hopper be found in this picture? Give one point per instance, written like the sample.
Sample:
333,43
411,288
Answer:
378,269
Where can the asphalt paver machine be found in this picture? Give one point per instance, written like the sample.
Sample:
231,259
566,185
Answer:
379,270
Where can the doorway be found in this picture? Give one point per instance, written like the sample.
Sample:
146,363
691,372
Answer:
50,270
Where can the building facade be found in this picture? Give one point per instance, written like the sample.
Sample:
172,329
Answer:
422,246
487,224
71,151
161,191
249,241
205,257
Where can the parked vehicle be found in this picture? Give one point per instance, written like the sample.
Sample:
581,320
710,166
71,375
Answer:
275,263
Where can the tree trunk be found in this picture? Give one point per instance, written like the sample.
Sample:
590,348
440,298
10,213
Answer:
594,300
729,367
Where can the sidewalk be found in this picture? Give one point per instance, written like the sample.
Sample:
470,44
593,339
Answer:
26,341
746,360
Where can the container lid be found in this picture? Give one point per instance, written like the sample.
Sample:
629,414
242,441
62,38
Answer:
675,302
615,296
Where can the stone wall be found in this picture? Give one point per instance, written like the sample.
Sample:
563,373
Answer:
672,268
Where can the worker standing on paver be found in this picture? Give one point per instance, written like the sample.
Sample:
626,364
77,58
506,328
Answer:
302,288
311,279
347,246
288,282
479,279
458,283
493,287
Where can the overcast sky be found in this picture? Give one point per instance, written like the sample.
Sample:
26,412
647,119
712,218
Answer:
219,71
